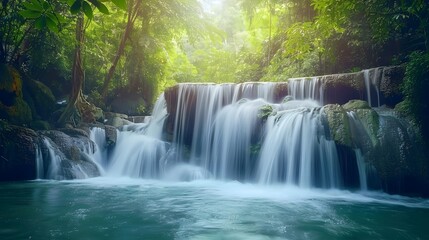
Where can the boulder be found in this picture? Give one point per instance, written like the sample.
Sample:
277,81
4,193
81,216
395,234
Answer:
111,136
18,147
40,98
338,123
390,85
340,88
19,113
12,105
73,149
367,116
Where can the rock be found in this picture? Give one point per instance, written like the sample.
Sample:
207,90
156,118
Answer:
111,136
40,125
367,116
287,99
356,104
72,148
66,143
264,112
19,113
400,158
75,132
117,122
370,121
338,124
40,97
280,91
17,152
340,88
12,105
10,85
390,85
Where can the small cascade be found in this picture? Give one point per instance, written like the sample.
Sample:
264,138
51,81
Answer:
235,130
98,136
136,155
296,150
362,170
197,106
54,164
361,141
372,82
40,170
306,88
159,114
152,125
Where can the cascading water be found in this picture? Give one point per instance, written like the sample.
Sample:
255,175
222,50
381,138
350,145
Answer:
234,132
306,88
54,166
372,81
296,150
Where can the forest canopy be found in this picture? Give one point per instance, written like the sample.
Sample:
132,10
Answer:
120,53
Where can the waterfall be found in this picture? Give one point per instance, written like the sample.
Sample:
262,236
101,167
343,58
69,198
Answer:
362,170
296,151
361,139
40,170
54,164
231,132
372,82
137,155
306,88
98,136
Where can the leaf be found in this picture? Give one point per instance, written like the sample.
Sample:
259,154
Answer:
122,4
52,24
30,14
33,5
75,8
40,23
87,10
46,5
100,6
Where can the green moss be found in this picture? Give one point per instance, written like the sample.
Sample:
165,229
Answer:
371,122
356,104
19,113
265,111
338,124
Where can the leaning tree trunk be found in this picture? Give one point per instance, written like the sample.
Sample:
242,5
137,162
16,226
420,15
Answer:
133,12
78,108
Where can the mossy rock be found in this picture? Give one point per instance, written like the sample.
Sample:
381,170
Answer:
371,122
265,111
19,113
338,124
10,81
18,147
356,104
41,98
40,125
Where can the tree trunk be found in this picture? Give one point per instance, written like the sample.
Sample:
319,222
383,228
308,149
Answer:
73,111
133,10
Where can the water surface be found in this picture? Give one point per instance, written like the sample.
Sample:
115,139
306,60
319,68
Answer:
122,208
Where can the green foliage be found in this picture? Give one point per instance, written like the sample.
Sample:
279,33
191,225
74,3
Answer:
415,88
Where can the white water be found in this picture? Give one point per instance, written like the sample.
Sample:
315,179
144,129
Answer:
295,151
306,88
40,169
220,133
361,138
362,170
372,84
54,166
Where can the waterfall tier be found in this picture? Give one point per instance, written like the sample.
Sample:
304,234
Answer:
293,133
